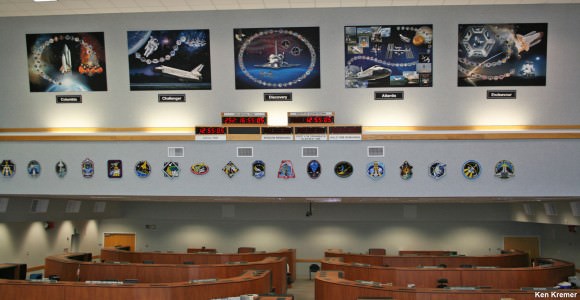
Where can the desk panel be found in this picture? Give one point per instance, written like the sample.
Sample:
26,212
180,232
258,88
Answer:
250,282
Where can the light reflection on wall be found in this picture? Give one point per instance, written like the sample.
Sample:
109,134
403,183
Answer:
195,236
35,242
262,237
6,246
472,241
401,238
331,237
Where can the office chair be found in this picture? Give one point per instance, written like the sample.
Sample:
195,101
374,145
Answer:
377,251
313,269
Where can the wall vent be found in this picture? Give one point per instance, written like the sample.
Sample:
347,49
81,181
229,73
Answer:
245,151
99,207
39,206
528,209
550,209
575,206
3,205
376,151
310,152
73,206
175,151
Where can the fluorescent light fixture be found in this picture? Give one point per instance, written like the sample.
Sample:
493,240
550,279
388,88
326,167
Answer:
45,0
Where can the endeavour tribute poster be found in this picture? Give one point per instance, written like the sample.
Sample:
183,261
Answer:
502,54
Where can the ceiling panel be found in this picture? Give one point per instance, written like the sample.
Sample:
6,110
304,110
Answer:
68,7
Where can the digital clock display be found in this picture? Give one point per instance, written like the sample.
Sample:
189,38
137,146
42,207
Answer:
244,120
205,130
310,119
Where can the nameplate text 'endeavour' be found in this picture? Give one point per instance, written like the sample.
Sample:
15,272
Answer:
499,94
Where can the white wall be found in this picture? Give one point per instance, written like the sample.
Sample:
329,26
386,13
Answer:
544,167
443,104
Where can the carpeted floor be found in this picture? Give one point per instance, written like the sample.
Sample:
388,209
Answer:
302,289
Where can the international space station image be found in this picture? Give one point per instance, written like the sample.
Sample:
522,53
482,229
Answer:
388,55
276,60
66,65
194,74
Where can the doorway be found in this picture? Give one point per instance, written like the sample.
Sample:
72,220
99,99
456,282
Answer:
529,244
112,240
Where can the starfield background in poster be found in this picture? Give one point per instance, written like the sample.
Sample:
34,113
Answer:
169,60
502,54
277,58
379,56
66,62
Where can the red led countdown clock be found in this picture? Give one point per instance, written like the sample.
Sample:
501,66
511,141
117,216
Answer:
311,118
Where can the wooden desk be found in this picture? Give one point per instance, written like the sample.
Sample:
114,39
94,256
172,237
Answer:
112,254
249,282
426,252
70,270
497,278
513,259
329,285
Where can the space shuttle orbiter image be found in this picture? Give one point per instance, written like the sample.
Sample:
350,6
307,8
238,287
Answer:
194,74
66,65
276,60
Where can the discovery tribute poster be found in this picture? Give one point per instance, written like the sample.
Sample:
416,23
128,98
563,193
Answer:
169,60
66,62
378,56
502,54
277,58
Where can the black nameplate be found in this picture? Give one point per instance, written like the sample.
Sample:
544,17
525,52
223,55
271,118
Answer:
277,130
310,130
397,95
345,130
499,94
277,96
69,99
171,97
243,130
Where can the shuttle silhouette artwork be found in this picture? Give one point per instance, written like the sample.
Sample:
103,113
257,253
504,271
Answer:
194,74
373,73
66,65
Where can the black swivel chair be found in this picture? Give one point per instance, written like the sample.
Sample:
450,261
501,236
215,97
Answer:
313,269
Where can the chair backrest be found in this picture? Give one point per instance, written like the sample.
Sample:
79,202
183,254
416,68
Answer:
246,249
377,251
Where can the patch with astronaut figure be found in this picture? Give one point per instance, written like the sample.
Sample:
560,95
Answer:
376,170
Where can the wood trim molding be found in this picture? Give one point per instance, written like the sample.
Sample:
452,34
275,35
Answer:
486,132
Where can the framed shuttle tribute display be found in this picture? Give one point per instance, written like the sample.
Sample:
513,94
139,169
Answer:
66,62
378,56
502,54
169,60
277,58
